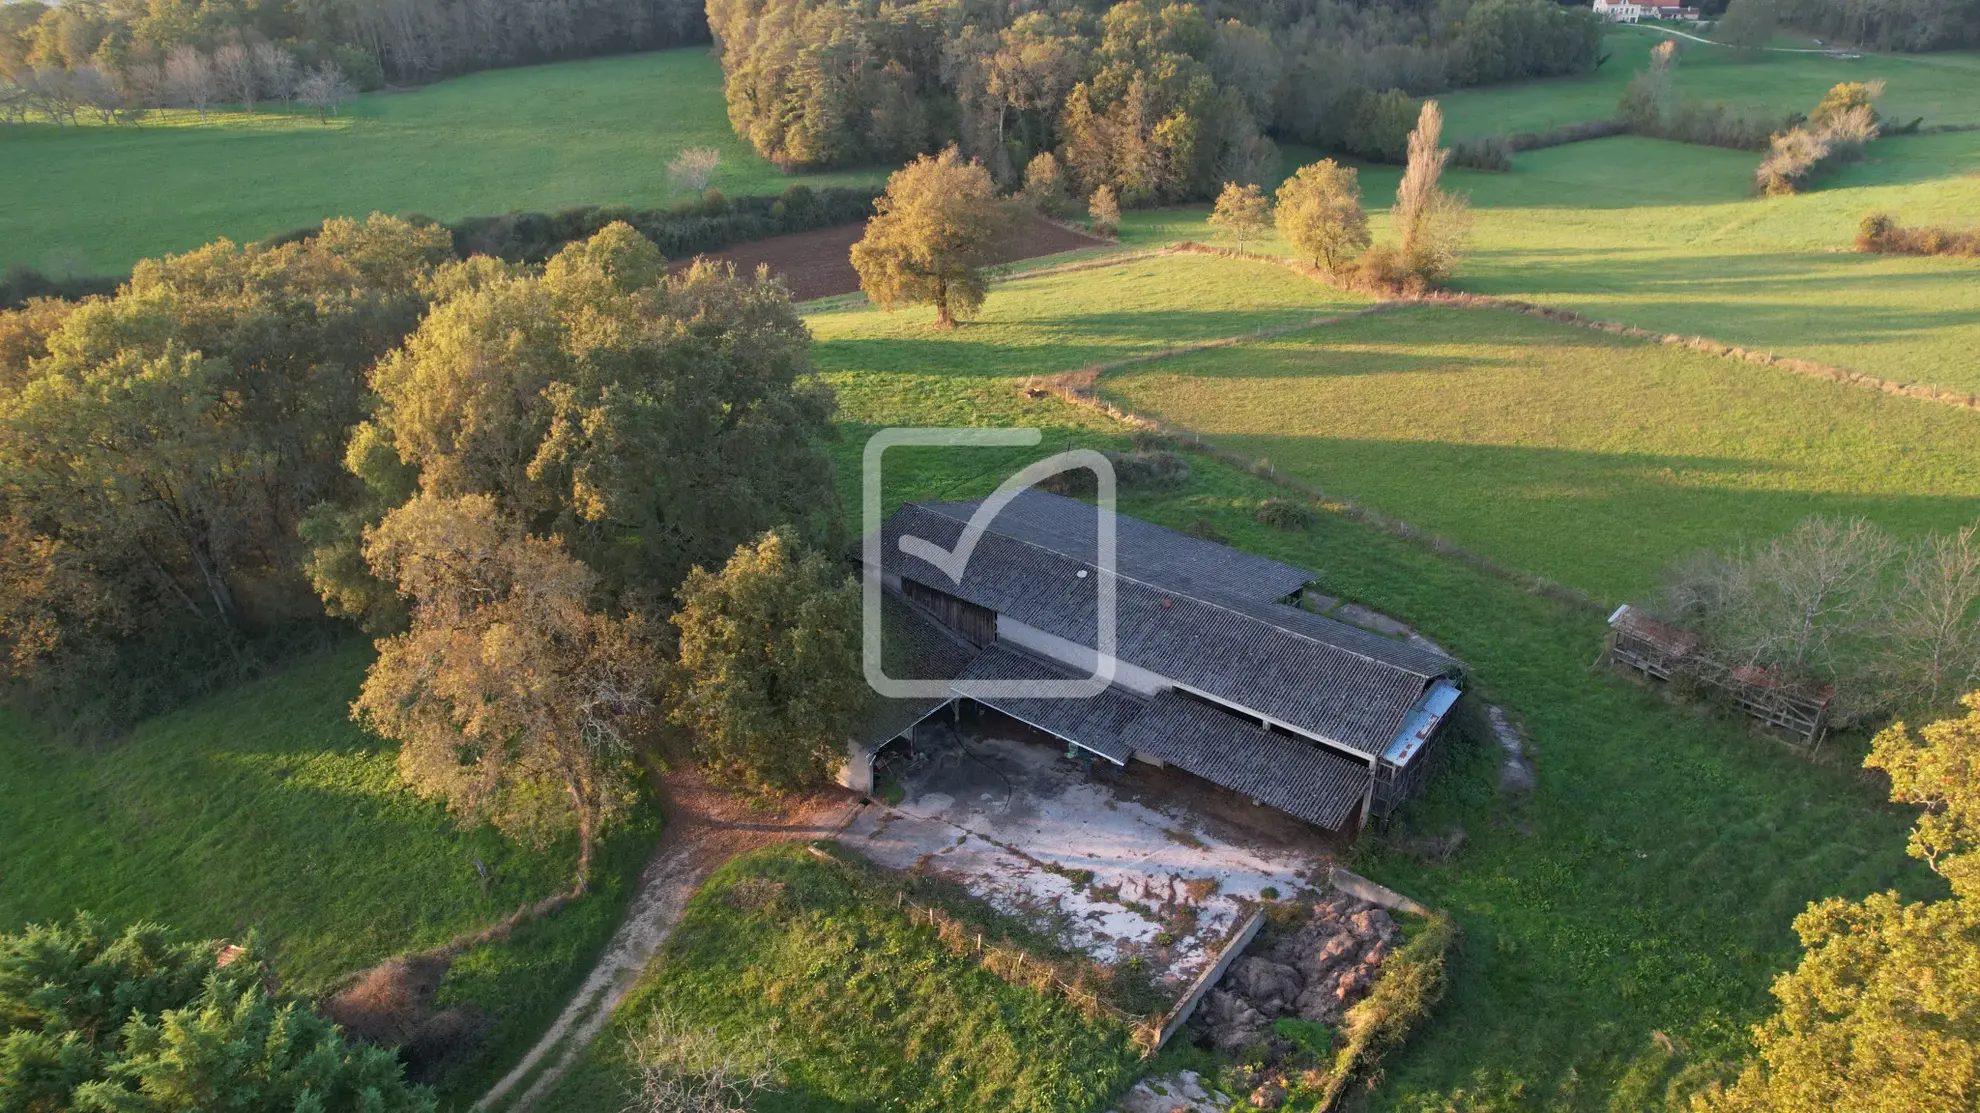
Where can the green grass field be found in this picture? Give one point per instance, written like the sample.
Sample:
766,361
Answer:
1938,87
1593,460
1667,236
94,199
1648,886
268,808
872,1011
1588,458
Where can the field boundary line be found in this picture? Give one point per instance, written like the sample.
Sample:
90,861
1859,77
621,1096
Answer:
1705,345
1080,387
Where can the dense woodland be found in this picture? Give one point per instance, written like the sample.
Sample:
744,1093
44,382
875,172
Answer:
125,50
1889,24
188,470
1160,103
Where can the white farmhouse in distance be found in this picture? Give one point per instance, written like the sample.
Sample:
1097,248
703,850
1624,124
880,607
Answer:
1619,11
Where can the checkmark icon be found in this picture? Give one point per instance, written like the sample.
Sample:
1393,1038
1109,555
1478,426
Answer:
953,561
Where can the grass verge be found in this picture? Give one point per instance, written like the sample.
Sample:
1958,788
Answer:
873,1010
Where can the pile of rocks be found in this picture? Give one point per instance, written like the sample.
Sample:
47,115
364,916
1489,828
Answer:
1314,973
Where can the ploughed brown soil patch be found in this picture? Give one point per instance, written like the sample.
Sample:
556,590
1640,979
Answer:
819,264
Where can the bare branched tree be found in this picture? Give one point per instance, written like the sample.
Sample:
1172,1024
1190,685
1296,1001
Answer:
277,71
693,167
325,89
1431,224
1934,653
189,79
687,1069
234,74
144,85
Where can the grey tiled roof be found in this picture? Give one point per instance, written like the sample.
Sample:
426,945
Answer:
1143,550
1319,675
1297,777
1095,723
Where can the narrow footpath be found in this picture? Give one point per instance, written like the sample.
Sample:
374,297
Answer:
705,828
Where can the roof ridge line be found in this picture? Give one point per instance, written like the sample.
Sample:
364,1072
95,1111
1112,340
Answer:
930,507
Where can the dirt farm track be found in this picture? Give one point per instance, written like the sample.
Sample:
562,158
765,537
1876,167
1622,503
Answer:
818,264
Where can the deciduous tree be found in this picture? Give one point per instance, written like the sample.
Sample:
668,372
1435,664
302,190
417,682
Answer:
1242,212
770,682
691,168
189,78
1747,26
653,421
1104,212
325,89
235,74
936,229
1883,1013
1320,214
1430,224
511,698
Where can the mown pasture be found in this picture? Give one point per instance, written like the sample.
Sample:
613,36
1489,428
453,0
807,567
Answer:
1938,87
91,200
1594,460
1668,237
1623,923
267,809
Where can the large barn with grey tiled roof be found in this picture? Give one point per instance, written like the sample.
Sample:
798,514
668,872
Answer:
1217,668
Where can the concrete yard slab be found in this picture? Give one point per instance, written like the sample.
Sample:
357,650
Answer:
1119,863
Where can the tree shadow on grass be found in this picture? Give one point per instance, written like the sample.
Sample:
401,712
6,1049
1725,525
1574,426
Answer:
1608,523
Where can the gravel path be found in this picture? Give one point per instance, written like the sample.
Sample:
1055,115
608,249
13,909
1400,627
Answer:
705,828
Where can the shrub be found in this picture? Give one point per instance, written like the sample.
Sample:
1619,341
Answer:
1201,528
1880,233
1105,210
1493,152
1565,134
1284,514
1150,468
1045,184
1157,469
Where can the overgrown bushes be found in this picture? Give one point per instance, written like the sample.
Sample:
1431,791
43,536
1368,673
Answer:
1802,154
1492,152
1842,604
1412,982
1835,134
1567,133
1881,234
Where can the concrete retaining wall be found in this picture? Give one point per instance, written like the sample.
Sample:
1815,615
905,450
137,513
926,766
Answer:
1356,885
1180,1014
